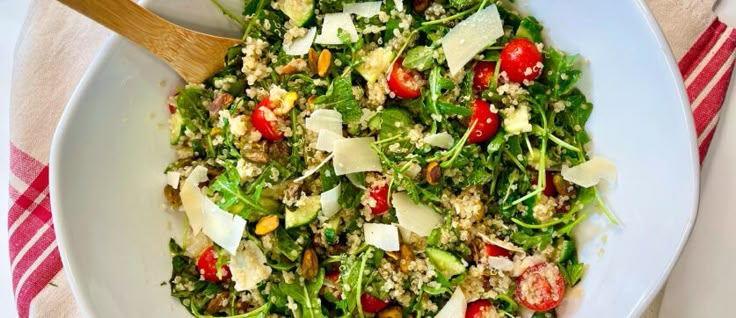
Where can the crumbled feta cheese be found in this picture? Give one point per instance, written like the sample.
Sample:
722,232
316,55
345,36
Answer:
516,120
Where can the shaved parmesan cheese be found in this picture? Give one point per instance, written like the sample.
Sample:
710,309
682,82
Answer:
196,244
198,175
327,119
413,170
520,265
326,140
315,169
363,9
332,23
355,155
500,263
248,267
464,41
442,140
417,218
329,201
192,197
301,45
404,233
383,236
399,5
224,228
172,179
455,306
517,121
353,177
590,173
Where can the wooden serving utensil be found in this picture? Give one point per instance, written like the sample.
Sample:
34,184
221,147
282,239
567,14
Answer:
194,55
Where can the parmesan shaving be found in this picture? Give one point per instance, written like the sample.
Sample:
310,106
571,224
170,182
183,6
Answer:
590,173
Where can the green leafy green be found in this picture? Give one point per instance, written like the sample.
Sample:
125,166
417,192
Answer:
189,105
340,97
531,29
420,58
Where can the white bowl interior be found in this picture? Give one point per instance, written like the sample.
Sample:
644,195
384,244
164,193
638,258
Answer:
112,146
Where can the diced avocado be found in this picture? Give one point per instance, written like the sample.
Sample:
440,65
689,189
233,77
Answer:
177,128
331,230
303,214
301,12
446,263
375,64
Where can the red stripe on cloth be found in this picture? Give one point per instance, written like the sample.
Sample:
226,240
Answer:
23,166
698,47
36,188
708,47
714,65
14,195
37,281
711,105
703,148
30,226
31,255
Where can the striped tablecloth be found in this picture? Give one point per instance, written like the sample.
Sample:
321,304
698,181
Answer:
56,46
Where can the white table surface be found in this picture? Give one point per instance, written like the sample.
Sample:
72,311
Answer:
12,14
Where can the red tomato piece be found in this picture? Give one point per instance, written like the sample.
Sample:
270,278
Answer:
380,195
521,60
404,82
497,251
541,287
549,187
172,109
483,74
333,276
265,121
207,266
371,304
487,122
478,309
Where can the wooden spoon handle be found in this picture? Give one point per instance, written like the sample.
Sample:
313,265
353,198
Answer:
131,21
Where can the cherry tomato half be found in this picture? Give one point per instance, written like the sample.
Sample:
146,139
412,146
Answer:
521,60
549,187
264,120
380,195
497,251
207,266
404,82
483,74
371,304
486,122
478,309
541,287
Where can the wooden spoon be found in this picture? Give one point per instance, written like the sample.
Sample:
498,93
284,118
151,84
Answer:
195,56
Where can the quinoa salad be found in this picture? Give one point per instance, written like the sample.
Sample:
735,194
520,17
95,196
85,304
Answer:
382,159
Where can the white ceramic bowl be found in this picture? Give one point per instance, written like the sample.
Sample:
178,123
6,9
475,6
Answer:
111,147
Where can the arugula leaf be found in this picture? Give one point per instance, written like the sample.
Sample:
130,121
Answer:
530,28
286,245
420,58
572,273
189,105
451,109
462,4
228,186
539,241
328,178
560,72
306,295
340,97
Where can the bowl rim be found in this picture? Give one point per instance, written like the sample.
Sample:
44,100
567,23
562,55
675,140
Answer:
73,105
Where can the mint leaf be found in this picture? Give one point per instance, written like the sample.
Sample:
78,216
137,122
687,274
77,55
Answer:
340,97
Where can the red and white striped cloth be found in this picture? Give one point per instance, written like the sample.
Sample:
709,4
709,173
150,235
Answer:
40,288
